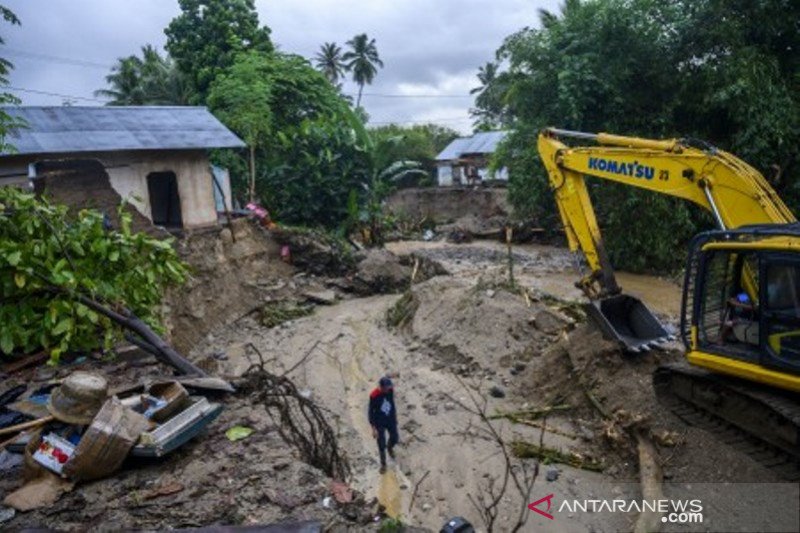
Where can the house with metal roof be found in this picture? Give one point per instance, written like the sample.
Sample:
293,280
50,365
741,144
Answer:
154,158
465,161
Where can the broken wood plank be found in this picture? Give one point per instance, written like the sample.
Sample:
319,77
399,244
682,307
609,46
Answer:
26,425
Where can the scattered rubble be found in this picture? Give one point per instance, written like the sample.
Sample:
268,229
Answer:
303,353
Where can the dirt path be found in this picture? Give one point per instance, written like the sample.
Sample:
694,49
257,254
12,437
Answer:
355,348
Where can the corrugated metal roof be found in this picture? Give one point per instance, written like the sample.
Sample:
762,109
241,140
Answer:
481,143
70,129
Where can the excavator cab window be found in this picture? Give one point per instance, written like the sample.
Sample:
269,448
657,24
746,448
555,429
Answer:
782,311
729,315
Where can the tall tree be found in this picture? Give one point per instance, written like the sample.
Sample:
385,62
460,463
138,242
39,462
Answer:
486,76
147,80
363,61
208,34
125,83
590,67
329,61
489,109
7,122
309,156
241,98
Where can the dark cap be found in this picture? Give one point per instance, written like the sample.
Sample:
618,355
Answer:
385,382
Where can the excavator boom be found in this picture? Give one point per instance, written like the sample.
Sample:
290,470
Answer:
735,194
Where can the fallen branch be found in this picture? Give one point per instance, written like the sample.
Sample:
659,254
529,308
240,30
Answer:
416,488
302,359
596,403
301,422
542,426
487,502
155,344
650,476
530,414
524,449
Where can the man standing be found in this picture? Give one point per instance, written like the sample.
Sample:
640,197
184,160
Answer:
383,418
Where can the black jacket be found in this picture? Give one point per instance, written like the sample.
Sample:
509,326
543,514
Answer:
382,412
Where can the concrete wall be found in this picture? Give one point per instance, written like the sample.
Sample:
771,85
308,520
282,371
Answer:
443,205
128,171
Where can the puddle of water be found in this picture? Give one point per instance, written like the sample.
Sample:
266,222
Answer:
389,493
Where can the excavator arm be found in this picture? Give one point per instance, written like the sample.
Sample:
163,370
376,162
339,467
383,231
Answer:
731,190
735,193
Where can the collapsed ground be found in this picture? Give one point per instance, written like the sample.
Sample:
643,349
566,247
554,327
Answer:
461,327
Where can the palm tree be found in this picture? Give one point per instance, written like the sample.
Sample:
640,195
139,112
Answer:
148,80
125,83
329,61
363,61
486,75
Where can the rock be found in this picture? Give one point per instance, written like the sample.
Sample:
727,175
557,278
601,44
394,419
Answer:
426,506
380,271
325,297
490,293
549,322
552,474
497,392
449,406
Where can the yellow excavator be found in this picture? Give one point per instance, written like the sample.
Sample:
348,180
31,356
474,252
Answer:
740,318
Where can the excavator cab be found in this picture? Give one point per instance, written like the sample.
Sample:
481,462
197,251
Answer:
742,302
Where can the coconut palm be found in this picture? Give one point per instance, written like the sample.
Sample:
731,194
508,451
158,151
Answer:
486,75
151,79
363,61
329,61
125,83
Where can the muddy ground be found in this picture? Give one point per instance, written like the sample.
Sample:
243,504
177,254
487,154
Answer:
468,330
448,339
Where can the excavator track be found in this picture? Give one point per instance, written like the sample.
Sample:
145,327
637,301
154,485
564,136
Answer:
761,423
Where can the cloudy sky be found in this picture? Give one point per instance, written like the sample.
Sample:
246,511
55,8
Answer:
431,48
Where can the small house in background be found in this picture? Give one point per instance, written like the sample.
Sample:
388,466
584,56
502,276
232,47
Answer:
155,158
465,161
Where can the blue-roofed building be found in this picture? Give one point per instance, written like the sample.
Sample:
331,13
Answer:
153,157
465,161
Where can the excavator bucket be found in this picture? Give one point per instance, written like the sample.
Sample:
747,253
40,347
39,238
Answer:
627,320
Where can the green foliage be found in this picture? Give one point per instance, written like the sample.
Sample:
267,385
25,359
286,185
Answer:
241,97
317,163
208,35
391,525
653,69
276,313
148,80
7,122
316,150
47,260
421,143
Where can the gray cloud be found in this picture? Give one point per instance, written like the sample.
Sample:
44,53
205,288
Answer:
430,47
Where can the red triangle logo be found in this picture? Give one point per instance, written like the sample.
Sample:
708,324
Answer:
534,506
